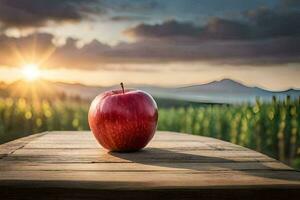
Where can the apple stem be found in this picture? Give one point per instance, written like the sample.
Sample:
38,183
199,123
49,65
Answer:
122,85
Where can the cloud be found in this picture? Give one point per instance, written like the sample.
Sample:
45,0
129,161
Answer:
223,29
90,56
96,55
40,48
128,18
132,6
262,37
168,29
32,13
41,13
215,29
291,4
269,23
234,52
261,23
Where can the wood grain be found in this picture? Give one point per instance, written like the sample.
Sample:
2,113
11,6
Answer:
72,165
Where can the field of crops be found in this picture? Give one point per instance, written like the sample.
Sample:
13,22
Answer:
272,128
20,117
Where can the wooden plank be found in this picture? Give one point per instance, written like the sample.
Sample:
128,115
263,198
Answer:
148,157
10,147
148,151
67,139
155,180
146,160
128,167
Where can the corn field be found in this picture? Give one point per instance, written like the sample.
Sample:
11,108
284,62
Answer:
272,128
20,117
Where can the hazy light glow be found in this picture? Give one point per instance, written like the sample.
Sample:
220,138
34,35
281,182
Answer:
272,78
31,72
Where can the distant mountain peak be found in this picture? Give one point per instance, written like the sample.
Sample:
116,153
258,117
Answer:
227,79
224,86
231,82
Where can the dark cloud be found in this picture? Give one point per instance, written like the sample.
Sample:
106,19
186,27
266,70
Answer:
252,52
223,29
132,6
167,30
96,54
269,23
90,56
291,4
35,13
262,37
128,18
215,29
259,24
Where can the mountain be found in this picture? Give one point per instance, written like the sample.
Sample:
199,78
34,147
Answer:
230,91
223,91
225,85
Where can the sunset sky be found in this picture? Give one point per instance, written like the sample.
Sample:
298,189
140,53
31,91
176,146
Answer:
160,42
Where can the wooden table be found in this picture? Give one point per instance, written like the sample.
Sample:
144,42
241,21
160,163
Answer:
71,165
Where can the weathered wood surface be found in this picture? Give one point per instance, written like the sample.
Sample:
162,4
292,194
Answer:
71,165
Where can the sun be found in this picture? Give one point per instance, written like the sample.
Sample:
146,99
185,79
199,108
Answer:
31,72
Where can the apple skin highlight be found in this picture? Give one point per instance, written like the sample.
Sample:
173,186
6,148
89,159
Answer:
123,120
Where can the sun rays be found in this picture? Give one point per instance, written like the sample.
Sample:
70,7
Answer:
32,57
31,72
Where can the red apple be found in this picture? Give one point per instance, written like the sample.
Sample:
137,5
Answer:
123,120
